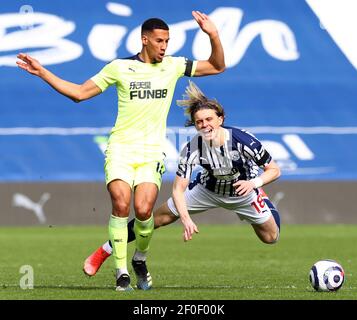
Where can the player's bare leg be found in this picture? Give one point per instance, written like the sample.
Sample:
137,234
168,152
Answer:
163,216
268,232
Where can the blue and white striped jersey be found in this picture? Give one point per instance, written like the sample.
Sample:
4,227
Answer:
240,158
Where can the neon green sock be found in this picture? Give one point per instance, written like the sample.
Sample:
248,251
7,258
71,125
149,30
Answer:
118,235
143,233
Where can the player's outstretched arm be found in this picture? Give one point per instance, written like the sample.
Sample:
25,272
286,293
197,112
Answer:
71,90
215,63
179,187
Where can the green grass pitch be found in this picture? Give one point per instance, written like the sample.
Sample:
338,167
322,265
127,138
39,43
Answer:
222,262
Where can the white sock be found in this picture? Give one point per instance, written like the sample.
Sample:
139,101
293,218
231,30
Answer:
107,248
121,271
139,256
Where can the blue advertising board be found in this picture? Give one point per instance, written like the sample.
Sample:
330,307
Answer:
291,80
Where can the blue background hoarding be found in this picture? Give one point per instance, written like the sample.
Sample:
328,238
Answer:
291,79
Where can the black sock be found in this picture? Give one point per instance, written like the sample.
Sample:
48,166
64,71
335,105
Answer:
274,212
131,233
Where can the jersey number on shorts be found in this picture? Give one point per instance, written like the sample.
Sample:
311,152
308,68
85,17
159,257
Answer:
160,168
258,204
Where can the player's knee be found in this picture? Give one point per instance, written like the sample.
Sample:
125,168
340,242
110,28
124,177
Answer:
120,209
143,212
271,237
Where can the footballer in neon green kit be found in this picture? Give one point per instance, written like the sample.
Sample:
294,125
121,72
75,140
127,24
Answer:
145,91
134,156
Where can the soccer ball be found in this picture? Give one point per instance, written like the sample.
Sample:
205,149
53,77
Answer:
327,275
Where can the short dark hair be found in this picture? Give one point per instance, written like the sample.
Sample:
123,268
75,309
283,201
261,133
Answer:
154,23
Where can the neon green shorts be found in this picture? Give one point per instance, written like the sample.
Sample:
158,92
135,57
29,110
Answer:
132,166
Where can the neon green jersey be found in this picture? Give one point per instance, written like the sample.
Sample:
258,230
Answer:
145,94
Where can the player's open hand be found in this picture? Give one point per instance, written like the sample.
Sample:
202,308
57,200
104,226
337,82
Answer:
29,64
243,187
205,23
189,229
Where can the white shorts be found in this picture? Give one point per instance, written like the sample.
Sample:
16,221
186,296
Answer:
251,208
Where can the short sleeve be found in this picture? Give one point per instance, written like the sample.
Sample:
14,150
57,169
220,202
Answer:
107,76
256,151
185,67
262,157
252,148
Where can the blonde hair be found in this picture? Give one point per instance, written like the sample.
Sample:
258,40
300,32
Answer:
196,100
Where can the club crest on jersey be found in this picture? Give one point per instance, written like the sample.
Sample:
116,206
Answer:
234,155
